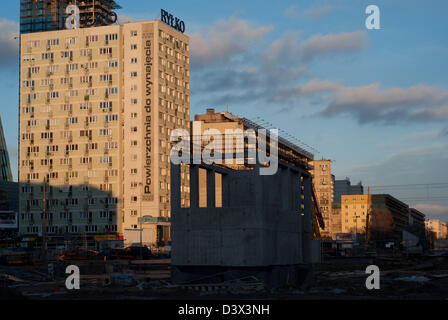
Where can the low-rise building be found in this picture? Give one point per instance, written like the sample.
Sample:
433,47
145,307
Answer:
387,215
354,209
439,228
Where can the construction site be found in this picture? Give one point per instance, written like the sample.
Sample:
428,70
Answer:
239,238
50,15
135,201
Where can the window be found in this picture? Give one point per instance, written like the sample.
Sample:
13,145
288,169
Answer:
133,74
92,39
133,115
105,50
112,117
53,42
111,36
134,171
134,60
105,132
134,33
133,47
134,143
106,105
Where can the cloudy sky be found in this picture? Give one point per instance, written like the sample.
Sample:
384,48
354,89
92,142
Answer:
374,101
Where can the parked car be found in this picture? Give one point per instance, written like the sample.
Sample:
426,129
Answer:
116,254
138,251
78,255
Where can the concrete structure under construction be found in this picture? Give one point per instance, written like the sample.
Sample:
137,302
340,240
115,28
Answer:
416,218
262,226
50,15
97,106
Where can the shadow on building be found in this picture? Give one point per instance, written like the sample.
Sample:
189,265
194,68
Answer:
77,217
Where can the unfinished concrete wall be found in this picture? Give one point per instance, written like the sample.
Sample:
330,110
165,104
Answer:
261,222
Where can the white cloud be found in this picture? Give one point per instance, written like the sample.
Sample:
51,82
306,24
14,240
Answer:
433,211
369,103
290,49
333,43
292,12
9,45
223,40
318,12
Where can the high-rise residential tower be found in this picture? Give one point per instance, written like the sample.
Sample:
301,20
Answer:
323,185
97,108
5,168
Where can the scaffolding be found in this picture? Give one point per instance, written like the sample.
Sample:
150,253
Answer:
50,15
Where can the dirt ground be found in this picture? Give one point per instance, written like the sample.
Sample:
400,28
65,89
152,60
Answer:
335,279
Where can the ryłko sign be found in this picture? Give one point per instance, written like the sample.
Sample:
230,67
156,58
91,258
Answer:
172,21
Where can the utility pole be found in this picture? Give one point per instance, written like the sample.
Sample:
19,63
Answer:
367,240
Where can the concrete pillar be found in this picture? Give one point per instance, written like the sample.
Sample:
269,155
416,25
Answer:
306,222
175,187
299,193
211,189
194,186
225,191
260,201
294,194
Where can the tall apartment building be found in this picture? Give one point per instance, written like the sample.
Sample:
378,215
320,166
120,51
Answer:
323,185
5,167
97,107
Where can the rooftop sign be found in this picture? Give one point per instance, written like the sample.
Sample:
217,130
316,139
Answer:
172,21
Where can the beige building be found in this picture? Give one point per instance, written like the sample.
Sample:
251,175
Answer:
97,106
387,214
354,209
440,228
336,220
323,185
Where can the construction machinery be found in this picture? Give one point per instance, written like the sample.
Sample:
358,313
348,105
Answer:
50,15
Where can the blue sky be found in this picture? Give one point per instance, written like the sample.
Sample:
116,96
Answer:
374,101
